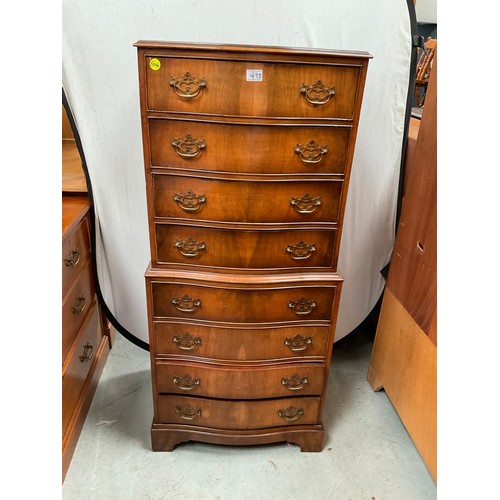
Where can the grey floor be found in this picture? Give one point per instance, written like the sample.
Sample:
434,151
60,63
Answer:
368,454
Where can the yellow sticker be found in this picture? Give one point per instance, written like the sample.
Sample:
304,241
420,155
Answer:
154,64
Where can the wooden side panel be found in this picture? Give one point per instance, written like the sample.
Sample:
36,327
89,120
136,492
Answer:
404,362
404,357
413,273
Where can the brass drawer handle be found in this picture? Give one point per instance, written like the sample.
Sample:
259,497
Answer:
291,413
73,258
295,383
186,383
305,204
298,343
317,94
87,353
311,152
187,342
188,147
190,247
301,250
79,306
302,306
187,86
189,201
186,304
188,412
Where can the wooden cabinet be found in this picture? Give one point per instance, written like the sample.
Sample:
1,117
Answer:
404,357
86,334
247,153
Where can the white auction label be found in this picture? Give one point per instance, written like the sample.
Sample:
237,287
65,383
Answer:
254,75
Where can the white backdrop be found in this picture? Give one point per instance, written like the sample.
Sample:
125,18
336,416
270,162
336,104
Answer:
101,82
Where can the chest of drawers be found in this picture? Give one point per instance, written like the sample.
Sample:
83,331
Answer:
86,335
247,154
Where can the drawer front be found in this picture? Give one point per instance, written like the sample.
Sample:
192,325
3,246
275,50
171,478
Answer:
225,200
274,90
242,305
261,149
239,344
221,414
239,382
76,304
82,357
75,252
249,249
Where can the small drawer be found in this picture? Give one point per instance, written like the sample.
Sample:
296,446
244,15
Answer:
249,148
82,356
221,414
246,200
242,344
76,304
245,248
253,88
243,304
75,252
250,382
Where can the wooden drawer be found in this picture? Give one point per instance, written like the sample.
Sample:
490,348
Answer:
229,91
257,148
262,248
230,382
246,200
79,364
75,251
76,304
249,344
243,304
221,414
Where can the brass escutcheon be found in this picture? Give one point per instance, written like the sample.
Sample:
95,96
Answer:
87,353
295,382
317,94
186,382
186,303
187,342
79,306
302,306
190,201
73,258
187,86
187,412
306,204
311,152
298,343
190,247
301,250
188,147
291,413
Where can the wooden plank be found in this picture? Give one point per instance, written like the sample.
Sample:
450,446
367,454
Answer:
413,272
404,363
73,178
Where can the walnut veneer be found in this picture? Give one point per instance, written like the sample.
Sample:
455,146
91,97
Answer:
247,154
86,335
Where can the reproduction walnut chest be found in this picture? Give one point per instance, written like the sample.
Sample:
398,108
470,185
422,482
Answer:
247,152
86,335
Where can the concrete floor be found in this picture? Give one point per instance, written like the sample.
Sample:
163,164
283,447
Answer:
368,454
